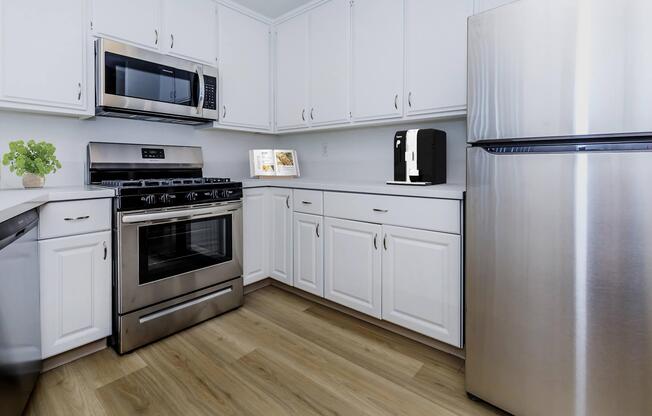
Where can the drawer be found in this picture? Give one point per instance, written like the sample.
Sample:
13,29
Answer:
60,219
309,202
423,213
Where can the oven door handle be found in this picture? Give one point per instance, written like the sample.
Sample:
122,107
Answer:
180,214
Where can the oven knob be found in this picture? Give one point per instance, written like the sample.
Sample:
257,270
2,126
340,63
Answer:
215,194
191,196
167,198
148,199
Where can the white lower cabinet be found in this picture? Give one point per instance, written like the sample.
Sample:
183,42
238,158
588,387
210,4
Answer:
280,248
352,264
256,232
309,253
421,280
75,291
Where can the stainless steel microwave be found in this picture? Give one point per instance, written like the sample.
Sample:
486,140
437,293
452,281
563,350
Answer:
141,84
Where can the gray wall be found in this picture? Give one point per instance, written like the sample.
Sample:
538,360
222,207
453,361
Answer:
366,154
225,153
360,154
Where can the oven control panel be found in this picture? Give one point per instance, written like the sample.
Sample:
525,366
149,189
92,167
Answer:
151,198
150,153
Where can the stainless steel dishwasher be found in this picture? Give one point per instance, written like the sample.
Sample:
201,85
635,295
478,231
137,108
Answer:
20,316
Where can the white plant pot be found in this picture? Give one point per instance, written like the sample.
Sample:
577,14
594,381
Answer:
33,181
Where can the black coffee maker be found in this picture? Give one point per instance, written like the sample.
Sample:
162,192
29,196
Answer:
419,157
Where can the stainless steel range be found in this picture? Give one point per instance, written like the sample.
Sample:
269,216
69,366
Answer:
177,239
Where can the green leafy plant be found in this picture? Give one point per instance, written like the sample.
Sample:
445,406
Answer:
36,158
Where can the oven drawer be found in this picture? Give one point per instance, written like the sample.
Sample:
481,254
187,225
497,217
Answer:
150,324
424,213
60,219
309,202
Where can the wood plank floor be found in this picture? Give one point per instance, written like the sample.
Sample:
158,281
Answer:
277,355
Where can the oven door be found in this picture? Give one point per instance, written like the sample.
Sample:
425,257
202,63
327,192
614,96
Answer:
170,253
138,80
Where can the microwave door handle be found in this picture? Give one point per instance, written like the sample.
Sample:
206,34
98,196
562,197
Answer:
202,90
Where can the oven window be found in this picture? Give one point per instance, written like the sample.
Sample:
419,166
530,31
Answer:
135,78
174,248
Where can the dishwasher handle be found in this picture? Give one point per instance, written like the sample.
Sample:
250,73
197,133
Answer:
12,229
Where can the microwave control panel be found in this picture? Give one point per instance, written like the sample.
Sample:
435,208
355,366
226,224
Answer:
210,93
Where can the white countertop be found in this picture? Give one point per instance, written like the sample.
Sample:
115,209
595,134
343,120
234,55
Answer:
16,201
446,191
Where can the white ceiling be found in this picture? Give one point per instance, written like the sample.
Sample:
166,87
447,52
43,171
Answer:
272,8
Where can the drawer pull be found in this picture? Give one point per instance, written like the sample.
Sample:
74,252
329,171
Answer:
182,306
85,217
382,211
306,202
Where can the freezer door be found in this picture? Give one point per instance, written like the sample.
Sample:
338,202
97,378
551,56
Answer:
558,68
559,282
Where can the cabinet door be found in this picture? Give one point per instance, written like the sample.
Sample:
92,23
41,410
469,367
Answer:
244,61
484,5
377,55
436,55
43,53
75,291
422,282
309,253
292,73
352,261
280,242
136,22
329,63
190,29
256,235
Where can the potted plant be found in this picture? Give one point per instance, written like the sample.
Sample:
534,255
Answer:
32,161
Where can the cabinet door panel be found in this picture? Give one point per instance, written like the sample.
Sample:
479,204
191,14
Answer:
422,282
280,243
191,29
377,55
75,291
309,253
35,38
292,73
352,261
256,235
131,21
244,62
329,63
436,55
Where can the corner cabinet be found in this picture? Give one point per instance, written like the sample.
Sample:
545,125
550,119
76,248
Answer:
256,234
280,254
75,291
352,265
36,35
421,282
244,59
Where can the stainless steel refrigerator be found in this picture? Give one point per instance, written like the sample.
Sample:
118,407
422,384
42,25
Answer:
559,208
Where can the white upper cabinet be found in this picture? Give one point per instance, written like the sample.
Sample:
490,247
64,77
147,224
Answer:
190,29
422,285
484,5
436,55
292,73
377,54
245,70
329,63
136,22
39,37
